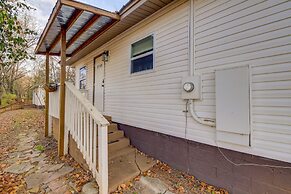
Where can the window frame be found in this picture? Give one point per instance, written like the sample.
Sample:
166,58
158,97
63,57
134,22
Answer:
85,77
152,52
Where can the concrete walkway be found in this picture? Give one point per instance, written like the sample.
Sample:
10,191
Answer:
39,174
149,185
28,162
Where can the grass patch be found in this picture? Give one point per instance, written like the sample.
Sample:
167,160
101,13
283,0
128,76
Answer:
16,123
39,148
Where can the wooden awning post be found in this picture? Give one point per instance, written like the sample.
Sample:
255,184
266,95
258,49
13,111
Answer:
46,130
62,92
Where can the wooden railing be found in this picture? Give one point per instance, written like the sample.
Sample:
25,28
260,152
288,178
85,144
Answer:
85,124
54,104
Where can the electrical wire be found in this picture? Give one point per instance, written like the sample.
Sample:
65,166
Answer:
220,151
185,137
251,164
186,118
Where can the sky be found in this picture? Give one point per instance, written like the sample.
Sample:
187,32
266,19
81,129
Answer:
44,8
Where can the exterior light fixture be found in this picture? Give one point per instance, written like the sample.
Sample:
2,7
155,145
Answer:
105,56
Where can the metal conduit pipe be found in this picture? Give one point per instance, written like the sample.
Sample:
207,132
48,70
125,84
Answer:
191,64
198,119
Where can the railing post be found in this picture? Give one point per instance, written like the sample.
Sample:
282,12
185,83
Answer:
94,149
91,143
62,93
88,137
47,101
103,158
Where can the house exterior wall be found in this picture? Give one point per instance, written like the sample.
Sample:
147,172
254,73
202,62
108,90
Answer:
227,34
254,33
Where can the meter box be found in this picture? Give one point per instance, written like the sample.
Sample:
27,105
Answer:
191,88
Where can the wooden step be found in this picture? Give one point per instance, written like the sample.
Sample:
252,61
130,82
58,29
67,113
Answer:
115,135
125,150
112,127
118,145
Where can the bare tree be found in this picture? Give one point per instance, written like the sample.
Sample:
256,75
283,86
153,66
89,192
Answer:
12,68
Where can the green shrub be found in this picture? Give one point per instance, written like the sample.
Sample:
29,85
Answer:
7,99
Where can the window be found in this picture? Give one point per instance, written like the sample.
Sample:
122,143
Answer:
142,55
83,76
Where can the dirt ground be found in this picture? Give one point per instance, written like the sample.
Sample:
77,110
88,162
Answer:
29,163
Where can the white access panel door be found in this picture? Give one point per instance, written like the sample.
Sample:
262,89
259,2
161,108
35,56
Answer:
99,84
233,101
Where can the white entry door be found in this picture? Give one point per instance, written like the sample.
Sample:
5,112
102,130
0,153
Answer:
99,84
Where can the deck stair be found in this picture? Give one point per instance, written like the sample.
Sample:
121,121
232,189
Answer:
123,158
98,145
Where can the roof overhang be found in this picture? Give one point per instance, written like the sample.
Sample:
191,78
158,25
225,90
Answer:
131,14
83,24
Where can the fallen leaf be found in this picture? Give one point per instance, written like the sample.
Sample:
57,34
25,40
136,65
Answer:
181,189
203,184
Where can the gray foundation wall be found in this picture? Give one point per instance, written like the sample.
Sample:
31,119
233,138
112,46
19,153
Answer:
208,164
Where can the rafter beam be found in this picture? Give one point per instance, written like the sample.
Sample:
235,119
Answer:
84,29
94,36
77,13
53,54
91,9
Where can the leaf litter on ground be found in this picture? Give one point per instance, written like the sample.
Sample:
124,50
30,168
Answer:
179,182
14,123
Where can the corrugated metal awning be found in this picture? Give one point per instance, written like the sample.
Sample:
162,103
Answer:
83,24
131,14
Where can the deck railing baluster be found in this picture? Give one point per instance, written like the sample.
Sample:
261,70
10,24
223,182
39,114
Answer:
82,119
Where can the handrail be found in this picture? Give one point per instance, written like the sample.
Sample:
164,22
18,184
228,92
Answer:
88,127
98,117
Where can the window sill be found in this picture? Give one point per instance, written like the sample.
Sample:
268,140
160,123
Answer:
142,72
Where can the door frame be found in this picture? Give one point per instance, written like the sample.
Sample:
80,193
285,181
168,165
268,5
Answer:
94,80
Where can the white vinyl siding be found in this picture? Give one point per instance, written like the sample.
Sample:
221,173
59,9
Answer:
255,33
145,100
227,34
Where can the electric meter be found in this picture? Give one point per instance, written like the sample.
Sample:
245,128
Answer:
188,86
191,87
